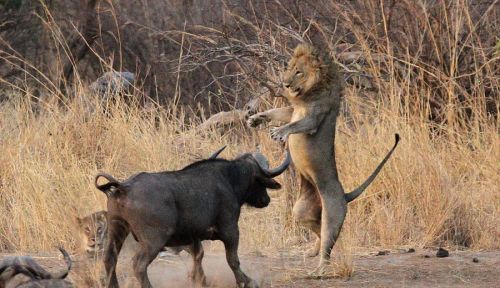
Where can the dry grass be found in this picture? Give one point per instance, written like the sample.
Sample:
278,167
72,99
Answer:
435,189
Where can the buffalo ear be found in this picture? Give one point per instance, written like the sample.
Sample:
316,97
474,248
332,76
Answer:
269,183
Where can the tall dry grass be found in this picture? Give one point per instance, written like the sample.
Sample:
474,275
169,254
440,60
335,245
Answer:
435,190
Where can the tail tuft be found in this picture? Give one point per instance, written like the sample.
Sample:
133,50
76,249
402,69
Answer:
110,188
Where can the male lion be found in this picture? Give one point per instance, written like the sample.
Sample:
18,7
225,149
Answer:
314,87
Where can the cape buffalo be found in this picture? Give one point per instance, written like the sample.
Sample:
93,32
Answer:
200,202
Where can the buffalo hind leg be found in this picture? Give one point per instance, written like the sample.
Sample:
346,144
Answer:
307,211
117,232
231,244
147,252
332,217
197,274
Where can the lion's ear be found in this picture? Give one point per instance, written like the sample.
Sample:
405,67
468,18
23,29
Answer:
314,52
316,62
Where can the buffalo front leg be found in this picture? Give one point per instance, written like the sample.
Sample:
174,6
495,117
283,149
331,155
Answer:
197,274
117,232
147,252
307,211
231,245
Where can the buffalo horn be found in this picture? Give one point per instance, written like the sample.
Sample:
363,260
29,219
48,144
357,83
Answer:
278,170
216,153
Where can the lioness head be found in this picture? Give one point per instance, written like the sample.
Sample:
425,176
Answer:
93,229
305,70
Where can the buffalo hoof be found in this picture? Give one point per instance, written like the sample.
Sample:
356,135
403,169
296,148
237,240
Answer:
251,284
198,280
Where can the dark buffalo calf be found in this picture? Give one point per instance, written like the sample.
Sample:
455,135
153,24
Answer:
200,202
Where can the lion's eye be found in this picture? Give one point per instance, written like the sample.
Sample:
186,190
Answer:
87,230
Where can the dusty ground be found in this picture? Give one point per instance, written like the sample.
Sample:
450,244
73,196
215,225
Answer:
397,269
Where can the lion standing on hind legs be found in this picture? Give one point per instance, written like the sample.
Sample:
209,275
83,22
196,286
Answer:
314,87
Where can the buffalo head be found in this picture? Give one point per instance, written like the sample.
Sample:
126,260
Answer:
261,178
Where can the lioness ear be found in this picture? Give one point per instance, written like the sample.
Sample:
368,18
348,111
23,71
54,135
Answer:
102,215
269,183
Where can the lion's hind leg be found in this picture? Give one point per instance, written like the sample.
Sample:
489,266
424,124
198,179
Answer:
307,210
332,215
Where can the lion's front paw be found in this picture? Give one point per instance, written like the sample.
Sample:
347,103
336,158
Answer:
256,120
278,134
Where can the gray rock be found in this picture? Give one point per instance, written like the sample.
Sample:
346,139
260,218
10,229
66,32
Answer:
113,82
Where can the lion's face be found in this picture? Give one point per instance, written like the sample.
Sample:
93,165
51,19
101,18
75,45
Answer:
93,229
303,72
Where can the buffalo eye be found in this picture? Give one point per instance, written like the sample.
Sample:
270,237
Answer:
99,230
298,73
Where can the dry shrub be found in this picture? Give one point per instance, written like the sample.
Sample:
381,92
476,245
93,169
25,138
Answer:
435,59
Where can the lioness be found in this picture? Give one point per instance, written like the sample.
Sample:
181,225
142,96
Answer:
93,230
314,87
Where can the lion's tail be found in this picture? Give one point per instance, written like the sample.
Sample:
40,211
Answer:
354,194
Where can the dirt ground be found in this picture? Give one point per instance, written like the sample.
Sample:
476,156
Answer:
396,269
